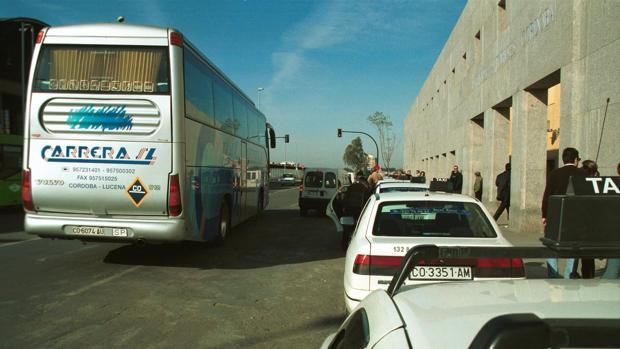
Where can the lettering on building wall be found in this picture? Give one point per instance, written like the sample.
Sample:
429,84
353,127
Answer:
532,30
539,24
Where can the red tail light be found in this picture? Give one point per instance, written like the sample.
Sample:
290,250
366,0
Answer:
174,196
40,36
27,191
482,267
499,267
376,265
301,188
176,39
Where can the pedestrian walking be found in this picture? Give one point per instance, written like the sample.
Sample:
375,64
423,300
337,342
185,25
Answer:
375,176
478,186
502,181
456,178
557,182
353,200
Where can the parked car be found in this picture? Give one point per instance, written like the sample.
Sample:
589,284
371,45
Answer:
287,179
392,223
491,313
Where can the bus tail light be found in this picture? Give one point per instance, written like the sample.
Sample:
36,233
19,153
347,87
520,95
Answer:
174,196
40,36
27,191
176,39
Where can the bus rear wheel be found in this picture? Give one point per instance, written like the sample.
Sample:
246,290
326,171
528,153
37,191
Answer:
224,225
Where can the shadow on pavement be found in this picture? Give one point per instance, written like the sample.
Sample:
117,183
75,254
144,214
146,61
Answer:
11,219
259,341
277,237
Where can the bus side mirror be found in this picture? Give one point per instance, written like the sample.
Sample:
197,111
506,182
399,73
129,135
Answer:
272,138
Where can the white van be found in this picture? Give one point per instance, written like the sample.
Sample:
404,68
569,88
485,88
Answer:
318,187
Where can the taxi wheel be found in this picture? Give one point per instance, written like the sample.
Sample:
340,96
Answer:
224,225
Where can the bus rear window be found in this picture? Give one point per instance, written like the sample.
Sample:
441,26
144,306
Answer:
102,69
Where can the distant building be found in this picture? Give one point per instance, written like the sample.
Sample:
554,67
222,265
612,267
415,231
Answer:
17,39
519,81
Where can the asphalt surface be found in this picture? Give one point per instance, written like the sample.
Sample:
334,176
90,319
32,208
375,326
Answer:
275,283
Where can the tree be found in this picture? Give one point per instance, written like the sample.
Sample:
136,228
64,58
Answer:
387,138
355,156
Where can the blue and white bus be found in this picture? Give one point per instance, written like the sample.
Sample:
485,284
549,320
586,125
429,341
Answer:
134,135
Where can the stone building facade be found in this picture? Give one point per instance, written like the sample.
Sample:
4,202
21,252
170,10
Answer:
518,81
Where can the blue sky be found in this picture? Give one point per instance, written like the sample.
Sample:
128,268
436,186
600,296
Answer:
322,64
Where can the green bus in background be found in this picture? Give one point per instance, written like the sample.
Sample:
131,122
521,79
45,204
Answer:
10,169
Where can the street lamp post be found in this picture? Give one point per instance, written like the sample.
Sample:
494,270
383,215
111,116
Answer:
341,131
258,91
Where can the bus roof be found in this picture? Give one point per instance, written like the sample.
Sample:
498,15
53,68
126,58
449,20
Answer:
108,30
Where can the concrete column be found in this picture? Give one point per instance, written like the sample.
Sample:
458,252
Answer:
476,158
528,154
496,146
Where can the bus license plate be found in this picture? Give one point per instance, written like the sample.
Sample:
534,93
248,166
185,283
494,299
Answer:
122,232
87,230
441,273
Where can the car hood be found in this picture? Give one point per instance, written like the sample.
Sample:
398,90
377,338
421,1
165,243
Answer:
462,308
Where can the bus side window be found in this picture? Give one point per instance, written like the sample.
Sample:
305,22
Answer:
223,107
241,118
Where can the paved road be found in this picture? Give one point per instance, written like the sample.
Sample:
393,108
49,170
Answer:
276,283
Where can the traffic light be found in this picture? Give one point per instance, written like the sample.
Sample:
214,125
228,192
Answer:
339,133
286,138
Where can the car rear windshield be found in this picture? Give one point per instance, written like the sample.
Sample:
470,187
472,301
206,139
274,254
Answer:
330,180
432,219
314,180
102,69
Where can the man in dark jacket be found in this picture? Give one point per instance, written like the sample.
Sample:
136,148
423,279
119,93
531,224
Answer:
456,178
557,182
353,200
502,181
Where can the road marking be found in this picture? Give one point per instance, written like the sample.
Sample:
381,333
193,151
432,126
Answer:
19,242
101,282
273,192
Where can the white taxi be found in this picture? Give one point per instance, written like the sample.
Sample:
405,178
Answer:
554,313
399,185
391,223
